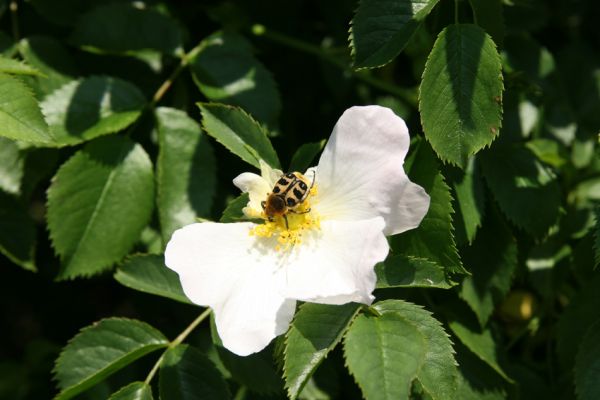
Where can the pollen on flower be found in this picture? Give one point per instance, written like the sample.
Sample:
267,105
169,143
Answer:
299,221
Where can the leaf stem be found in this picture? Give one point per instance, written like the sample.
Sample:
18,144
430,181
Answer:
407,95
178,340
166,85
14,7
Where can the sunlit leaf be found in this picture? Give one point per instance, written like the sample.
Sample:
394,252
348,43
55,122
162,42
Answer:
98,203
102,349
11,66
186,172
315,331
148,273
11,166
388,353
20,115
85,109
403,271
461,93
133,391
238,132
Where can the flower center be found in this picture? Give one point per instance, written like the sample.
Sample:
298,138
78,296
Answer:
289,228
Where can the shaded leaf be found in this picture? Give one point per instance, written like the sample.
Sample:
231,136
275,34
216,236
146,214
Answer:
49,56
387,354
587,365
480,341
124,27
133,391
492,261
256,371
85,109
526,190
233,212
98,203
382,28
315,331
469,196
186,172
20,115
187,374
406,271
148,274
238,132
488,14
304,157
226,71
461,93
102,349
577,318
17,232
433,240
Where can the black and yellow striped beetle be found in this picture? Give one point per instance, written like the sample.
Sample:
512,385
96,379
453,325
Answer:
289,192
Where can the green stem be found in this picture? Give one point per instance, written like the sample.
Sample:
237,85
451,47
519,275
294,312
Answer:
14,7
456,12
178,340
326,55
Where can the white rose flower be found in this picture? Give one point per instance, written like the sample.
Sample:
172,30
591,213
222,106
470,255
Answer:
323,251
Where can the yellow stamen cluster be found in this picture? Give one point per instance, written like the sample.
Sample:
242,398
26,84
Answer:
298,222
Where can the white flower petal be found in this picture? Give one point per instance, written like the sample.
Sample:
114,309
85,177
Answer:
220,266
360,173
271,175
336,264
257,188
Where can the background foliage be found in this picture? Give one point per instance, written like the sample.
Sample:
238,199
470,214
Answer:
120,122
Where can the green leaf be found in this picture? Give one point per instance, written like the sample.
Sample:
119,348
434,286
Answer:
187,374
17,232
433,240
389,353
479,341
186,172
492,261
226,71
85,109
133,391
98,203
102,349
148,274
488,14
587,365
526,190
406,271
477,381
11,166
461,93
124,28
20,115
238,132
382,28
10,66
577,318
49,56
233,212
469,195
315,331
304,156
597,236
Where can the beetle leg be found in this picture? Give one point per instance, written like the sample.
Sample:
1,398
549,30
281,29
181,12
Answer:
263,204
287,228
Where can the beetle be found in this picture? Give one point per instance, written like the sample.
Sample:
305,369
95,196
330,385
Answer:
289,192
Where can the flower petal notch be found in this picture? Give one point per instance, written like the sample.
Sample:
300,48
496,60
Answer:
322,234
